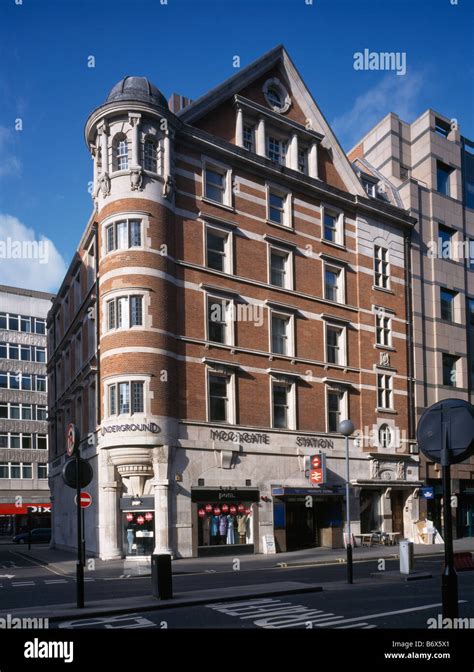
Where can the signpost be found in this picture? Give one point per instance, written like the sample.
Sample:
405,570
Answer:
446,435
317,473
77,473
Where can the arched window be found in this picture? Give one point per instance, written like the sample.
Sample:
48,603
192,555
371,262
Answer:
385,436
150,155
121,152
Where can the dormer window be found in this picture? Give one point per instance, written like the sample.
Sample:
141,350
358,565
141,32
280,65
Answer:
370,188
249,137
274,97
276,149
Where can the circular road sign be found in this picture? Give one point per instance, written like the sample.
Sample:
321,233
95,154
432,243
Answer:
316,462
72,439
70,473
460,416
86,500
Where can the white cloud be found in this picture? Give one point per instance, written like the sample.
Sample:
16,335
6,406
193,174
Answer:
9,163
392,94
28,260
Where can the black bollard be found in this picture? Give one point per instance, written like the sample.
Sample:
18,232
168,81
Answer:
161,577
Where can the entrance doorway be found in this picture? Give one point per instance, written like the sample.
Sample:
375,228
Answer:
465,516
301,527
397,501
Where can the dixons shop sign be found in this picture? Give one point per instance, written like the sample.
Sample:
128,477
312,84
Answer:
132,427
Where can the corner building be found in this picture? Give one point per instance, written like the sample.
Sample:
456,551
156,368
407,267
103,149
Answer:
236,293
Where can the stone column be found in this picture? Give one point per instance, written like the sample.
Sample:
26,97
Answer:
167,155
104,146
261,141
109,522
239,128
134,123
161,492
313,160
293,152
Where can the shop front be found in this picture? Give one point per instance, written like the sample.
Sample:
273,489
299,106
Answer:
16,519
307,518
225,520
138,526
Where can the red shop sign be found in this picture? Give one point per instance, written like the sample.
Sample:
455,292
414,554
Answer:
148,516
201,513
241,508
129,517
225,508
217,510
208,508
248,511
233,509
140,520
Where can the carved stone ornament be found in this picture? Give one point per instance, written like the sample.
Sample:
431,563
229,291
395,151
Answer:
374,469
104,184
401,470
136,179
384,359
168,187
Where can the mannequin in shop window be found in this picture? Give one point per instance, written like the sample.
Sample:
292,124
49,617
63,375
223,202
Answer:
230,529
214,529
130,540
223,527
242,527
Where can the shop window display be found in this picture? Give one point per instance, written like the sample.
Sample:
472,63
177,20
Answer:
138,537
224,524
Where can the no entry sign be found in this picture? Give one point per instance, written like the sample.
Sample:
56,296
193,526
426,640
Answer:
86,500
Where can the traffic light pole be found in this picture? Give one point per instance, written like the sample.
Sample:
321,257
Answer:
79,565
449,579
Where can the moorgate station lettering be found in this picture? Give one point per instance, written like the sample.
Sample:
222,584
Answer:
150,427
253,437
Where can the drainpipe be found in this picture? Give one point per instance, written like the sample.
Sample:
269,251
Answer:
410,353
97,322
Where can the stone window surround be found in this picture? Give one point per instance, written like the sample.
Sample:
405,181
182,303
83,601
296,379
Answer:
287,195
124,378
126,292
223,232
342,344
275,83
230,376
120,216
340,224
341,287
275,379
218,167
289,264
230,327
289,315
343,391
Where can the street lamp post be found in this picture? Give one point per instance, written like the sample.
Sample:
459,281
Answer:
346,427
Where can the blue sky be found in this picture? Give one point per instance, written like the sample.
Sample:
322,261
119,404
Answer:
188,46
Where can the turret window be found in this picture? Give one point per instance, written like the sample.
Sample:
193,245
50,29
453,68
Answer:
121,153
123,234
150,156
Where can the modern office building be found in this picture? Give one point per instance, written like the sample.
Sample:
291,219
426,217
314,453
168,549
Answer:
235,294
23,409
432,166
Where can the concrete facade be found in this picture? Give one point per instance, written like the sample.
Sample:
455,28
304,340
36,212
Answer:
23,407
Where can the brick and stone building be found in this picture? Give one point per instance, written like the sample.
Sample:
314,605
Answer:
23,409
431,165
234,295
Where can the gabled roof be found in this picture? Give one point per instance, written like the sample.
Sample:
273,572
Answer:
302,95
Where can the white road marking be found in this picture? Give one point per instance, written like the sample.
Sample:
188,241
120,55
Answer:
19,584
366,617
111,622
53,581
